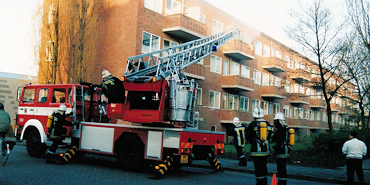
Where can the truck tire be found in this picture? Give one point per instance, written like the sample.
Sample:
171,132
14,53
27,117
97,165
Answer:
129,150
34,146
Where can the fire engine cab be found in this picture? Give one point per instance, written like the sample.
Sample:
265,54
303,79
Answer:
156,126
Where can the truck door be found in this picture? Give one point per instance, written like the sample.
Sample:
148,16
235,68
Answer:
26,105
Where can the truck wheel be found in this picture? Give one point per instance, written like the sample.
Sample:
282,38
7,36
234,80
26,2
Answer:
129,151
34,146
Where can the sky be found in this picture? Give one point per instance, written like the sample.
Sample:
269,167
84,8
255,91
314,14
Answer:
17,35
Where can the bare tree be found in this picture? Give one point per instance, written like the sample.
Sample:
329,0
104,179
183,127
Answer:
358,13
316,32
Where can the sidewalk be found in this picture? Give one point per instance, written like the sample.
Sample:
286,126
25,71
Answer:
338,176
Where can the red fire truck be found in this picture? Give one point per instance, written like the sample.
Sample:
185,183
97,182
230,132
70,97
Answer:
156,126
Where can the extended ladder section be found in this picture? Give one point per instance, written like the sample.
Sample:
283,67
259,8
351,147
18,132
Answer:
171,61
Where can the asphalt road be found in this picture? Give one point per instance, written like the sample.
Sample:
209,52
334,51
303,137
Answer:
92,169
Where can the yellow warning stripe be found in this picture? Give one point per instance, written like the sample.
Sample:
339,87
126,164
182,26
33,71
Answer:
186,145
219,145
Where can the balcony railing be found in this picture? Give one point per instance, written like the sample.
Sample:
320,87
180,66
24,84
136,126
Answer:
227,116
237,83
273,92
300,75
184,27
238,49
317,104
297,122
335,107
274,64
298,98
196,71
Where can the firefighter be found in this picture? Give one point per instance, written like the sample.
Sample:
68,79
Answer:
113,88
4,123
258,135
282,148
57,130
239,141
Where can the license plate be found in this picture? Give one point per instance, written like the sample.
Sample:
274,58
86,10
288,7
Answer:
184,159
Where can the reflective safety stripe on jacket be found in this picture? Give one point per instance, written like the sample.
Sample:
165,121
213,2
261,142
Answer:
240,135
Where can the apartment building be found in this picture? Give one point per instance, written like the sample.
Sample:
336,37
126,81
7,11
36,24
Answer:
252,70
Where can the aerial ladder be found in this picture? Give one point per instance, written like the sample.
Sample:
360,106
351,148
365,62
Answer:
166,66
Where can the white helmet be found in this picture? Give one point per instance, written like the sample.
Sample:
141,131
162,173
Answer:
279,116
236,122
62,108
105,73
258,113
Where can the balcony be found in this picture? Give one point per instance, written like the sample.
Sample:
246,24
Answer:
343,111
298,98
300,76
227,116
196,71
273,92
297,122
314,124
184,27
238,49
317,104
237,83
274,64
334,107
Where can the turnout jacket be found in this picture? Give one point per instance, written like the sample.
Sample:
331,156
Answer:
4,121
114,90
258,147
281,137
59,120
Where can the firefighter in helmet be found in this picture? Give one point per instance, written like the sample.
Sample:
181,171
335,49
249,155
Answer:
112,88
56,130
258,135
283,146
239,141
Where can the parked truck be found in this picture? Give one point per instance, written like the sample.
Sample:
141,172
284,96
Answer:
156,127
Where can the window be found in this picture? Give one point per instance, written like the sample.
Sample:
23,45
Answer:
234,68
168,43
265,107
224,101
244,103
312,115
155,5
226,67
300,112
246,71
266,51
199,96
245,38
59,96
307,114
202,18
301,89
287,86
257,77
213,128
43,95
255,103
286,110
172,7
258,46
214,99
276,108
308,91
265,79
217,27
318,115
295,112
277,81
150,43
233,102
278,54
215,64
29,96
